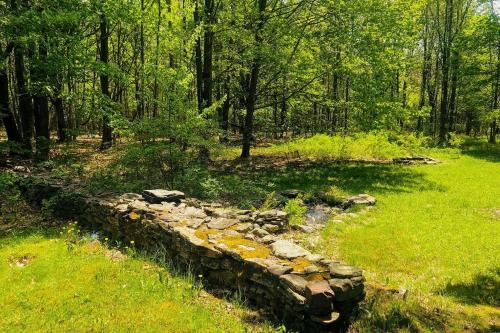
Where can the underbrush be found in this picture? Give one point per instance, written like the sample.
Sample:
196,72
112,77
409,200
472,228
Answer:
381,145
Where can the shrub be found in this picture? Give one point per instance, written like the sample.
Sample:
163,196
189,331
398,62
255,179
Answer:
296,211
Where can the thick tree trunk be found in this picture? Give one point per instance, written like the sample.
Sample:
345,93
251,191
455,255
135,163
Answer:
41,109
58,104
107,133
252,86
6,115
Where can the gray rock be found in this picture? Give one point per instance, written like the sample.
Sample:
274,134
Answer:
278,270
222,223
268,239
243,227
292,194
288,250
319,298
303,228
344,271
314,257
260,232
311,269
294,282
344,289
361,199
271,228
159,196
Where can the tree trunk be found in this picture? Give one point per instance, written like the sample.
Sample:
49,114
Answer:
496,92
198,61
107,133
209,20
41,109
454,87
6,115
445,56
252,85
25,102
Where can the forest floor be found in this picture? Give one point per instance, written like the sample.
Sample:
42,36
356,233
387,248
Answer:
430,249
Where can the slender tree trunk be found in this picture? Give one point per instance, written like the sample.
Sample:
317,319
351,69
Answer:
453,94
425,70
107,133
25,102
225,111
346,108
157,63
58,104
208,39
446,51
496,92
198,61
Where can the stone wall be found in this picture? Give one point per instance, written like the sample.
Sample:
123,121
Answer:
235,249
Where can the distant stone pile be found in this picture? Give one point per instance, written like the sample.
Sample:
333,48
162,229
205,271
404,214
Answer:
236,249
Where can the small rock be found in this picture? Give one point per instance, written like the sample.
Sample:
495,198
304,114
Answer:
260,232
115,255
361,199
303,228
311,269
243,227
268,239
292,194
271,228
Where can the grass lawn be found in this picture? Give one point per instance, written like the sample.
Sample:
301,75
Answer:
434,232
45,287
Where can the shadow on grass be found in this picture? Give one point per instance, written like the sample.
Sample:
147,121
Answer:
354,178
482,150
484,289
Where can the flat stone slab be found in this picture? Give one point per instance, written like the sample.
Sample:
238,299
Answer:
344,271
288,250
360,199
222,223
159,196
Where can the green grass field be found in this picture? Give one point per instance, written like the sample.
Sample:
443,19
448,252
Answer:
434,232
45,287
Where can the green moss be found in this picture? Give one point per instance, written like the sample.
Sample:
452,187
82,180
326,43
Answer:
238,244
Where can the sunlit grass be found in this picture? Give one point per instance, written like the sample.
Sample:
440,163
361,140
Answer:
440,242
369,146
45,287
